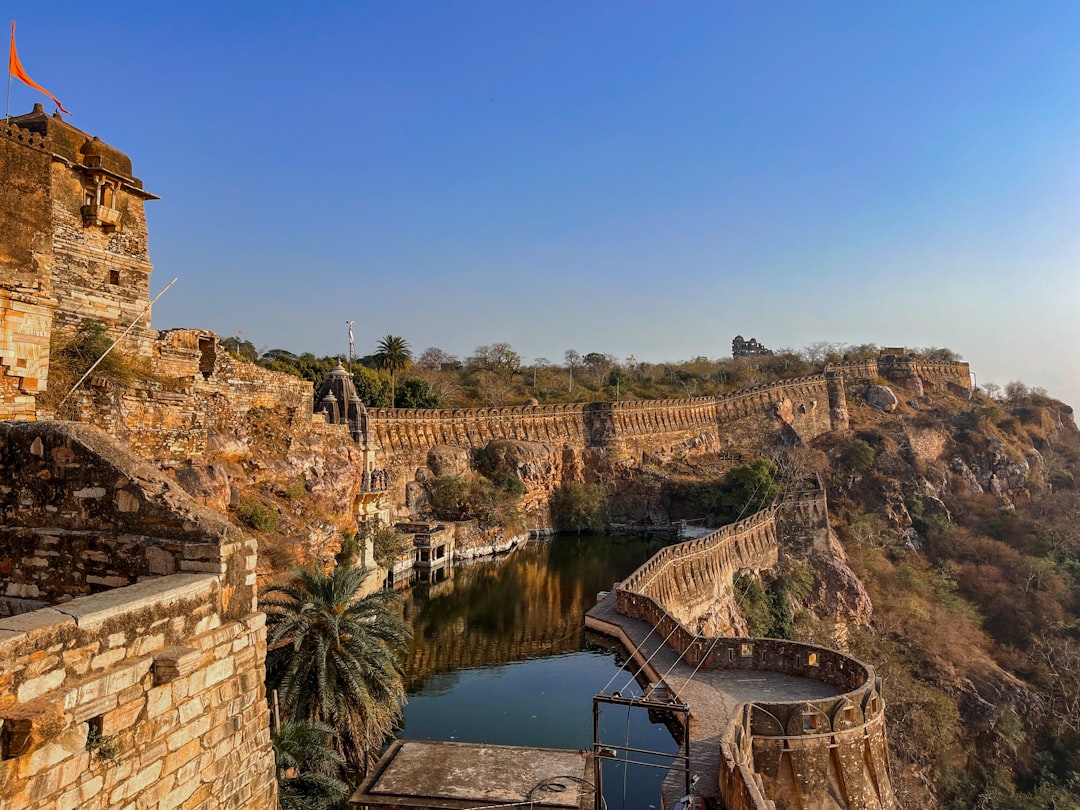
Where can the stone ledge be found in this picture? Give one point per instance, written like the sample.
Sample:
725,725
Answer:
92,611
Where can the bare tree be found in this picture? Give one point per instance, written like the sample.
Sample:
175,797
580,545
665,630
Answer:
573,360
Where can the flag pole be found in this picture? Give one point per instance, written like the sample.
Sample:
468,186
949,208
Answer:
7,104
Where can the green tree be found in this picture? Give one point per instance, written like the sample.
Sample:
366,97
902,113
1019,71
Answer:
393,353
335,657
748,488
416,393
387,543
308,766
374,389
577,506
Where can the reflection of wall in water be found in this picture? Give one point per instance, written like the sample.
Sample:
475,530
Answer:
527,605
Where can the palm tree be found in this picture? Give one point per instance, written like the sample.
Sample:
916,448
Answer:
393,354
308,766
335,657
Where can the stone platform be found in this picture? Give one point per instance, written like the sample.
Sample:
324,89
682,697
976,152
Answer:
714,696
419,775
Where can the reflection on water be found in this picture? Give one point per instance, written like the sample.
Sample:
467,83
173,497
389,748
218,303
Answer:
498,656
530,604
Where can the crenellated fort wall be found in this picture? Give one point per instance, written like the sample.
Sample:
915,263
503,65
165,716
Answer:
827,753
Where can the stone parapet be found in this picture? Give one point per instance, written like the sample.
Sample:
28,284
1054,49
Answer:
826,752
86,720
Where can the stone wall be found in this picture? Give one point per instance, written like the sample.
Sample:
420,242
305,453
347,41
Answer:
917,372
25,283
827,753
147,695
197,390
692,580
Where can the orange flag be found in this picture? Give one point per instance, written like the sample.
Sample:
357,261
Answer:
15,69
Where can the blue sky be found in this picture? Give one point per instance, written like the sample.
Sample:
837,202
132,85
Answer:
645,178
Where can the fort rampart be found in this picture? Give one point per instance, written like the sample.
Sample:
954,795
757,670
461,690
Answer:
131,651
825,753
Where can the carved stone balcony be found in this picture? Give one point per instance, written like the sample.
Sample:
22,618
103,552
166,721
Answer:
101,215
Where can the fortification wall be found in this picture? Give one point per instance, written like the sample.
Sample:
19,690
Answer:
692,581
911,367
626,431
827,753
151,691
791,410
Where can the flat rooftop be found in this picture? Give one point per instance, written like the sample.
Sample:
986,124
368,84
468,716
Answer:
459,776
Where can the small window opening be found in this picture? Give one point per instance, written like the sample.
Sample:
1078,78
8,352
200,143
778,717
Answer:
849,713
746,650
731,655
114,277
809,721
812,659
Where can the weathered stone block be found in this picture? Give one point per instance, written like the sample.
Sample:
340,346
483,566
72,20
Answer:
175,662
28,726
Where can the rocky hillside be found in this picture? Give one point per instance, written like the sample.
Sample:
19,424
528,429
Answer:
954,570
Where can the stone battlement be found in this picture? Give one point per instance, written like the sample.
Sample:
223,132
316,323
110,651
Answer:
823,752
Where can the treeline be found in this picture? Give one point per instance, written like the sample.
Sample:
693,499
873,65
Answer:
495,375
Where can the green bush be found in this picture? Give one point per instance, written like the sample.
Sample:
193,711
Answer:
754,604
257,516
858,455
498,462
454,498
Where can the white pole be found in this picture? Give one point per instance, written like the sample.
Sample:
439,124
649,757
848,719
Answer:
123,335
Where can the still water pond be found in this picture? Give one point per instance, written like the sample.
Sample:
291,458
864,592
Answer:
499,656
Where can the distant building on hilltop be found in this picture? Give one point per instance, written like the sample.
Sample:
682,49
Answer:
747,348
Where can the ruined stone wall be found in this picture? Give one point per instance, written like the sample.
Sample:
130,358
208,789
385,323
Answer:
802,522
167,673
197,389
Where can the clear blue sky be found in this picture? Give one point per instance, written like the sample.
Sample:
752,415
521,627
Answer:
646,178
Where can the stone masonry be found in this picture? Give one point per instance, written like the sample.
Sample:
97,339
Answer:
140,684
828,752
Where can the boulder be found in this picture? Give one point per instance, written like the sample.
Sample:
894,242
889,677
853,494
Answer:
881,396
442,459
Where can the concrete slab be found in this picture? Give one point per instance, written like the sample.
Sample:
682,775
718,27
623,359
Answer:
433,774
